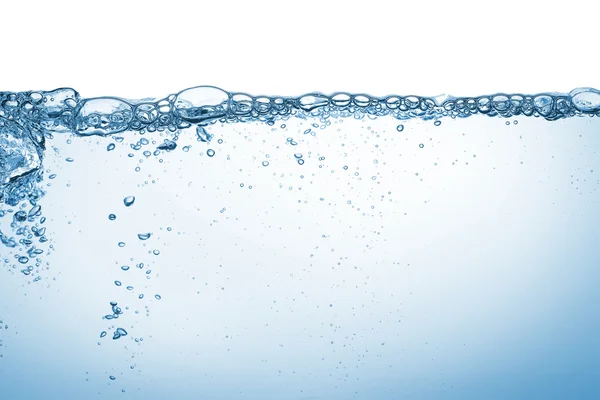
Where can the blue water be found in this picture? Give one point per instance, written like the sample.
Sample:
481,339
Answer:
220,245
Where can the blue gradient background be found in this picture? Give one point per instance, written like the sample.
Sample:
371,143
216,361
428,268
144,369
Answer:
476,278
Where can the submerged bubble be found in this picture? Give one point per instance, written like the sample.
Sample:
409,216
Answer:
400,128
112,217
128,201
202,135
168,145
157,297
110,147
210,152
120,332
144,236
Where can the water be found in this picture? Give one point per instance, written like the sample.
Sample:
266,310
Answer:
220,245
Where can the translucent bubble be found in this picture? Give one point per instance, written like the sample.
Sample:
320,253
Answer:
203,135
265,163
118,283
210,152
421,145
157,297
112,217
128,201
400,128
121,244
125,267
102,334
301,161
110,147
144,236
437,123
112,378
120,332
586,99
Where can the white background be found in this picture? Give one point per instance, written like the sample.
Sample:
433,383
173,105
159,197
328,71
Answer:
136,49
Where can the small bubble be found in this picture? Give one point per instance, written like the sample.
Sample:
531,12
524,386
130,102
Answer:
102,334
23,260
300,161
220,141
128,201
421,145
507,123
110,147
400,128
157,297
185,148
345,167
298,155
70,159
112,378
125,267
121,244
112,217
141,296
265,163
118,283
515,122
210,152
156,252
144,236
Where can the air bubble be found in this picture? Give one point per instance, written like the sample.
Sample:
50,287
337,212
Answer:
144,236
